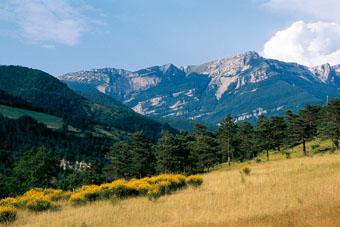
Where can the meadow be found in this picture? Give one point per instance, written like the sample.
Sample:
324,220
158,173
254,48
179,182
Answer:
302,191
15,113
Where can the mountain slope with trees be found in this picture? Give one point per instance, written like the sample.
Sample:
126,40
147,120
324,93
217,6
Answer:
48,94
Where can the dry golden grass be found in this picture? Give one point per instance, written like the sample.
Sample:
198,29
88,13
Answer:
295,192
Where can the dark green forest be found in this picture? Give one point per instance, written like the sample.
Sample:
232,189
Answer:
37,90
32,155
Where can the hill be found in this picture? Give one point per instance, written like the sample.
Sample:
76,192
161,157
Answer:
49,120
292,192
48,94
245,86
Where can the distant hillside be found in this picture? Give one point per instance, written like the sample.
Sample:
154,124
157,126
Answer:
47,93
245,86
9,100
49,120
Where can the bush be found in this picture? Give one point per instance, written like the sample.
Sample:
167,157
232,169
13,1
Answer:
37,200
7,214
85,194
9,202
246,170
154,194
119,188
41,205
141,186
44,199
77,199
90,192
195,180
315,147
56,194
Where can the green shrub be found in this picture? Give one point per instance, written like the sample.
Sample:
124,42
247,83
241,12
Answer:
10,202
194,180
7,214
315,147
154,194
41,205
77,199
246,170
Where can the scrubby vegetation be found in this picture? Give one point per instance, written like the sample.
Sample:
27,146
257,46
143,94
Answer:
287,192
7,214
52,199
67,161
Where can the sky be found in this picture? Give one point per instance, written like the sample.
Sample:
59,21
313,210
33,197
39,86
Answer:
61,36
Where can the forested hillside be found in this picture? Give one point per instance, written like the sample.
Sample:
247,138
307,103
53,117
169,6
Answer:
42,91
35,156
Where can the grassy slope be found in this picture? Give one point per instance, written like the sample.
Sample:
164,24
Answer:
290,192
49,120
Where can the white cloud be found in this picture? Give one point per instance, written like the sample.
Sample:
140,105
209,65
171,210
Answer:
327,10
44,22
306,43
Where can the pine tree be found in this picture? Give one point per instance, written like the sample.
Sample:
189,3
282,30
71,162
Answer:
202,150
226,139
310,115
182,141
245,138
263,132
132,158
278,131
166,154
120,161
329,126
297,131
143,160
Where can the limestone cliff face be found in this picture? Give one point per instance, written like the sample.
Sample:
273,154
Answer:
244,85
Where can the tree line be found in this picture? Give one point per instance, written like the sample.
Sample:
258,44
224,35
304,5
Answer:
201,150
30,153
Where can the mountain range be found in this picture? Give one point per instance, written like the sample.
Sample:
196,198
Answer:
245,86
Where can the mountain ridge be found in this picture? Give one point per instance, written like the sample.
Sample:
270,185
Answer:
209,91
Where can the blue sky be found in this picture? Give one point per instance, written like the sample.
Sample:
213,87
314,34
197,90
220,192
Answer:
60,36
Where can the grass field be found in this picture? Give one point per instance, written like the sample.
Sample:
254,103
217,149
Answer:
290,192
49,120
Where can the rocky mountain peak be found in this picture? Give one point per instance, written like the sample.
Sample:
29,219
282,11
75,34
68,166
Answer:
249,57
323,72
244,85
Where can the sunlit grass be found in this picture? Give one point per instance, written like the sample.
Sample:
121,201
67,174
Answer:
290,192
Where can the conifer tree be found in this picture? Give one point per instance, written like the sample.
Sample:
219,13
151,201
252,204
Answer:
120,162
263,132
182,141
143,159
278,131
296,131
245,138
226,139
132,158
329,126
166,154
202,150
